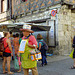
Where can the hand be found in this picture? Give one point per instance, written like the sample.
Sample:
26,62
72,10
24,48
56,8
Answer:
18,54
29,45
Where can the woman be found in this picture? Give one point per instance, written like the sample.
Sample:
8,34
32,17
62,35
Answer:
26,61
16,43
16,47
41,48
11,39
73,53
7,53
21,35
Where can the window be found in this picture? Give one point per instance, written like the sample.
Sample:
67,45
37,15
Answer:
3,5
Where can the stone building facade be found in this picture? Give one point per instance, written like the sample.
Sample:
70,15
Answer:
59,38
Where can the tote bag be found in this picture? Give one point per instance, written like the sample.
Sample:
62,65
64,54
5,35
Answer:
16,64
71,55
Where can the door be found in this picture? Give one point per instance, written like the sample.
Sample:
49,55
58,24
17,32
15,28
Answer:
52,33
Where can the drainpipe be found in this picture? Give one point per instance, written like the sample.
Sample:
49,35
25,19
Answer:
10,1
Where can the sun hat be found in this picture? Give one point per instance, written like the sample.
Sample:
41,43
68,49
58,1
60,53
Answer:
27,28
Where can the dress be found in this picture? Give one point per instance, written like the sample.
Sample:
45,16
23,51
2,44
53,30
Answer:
16,44
26,61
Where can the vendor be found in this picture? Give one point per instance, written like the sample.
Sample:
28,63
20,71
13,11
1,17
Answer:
27,63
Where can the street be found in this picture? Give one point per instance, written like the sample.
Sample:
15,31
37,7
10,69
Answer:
57,65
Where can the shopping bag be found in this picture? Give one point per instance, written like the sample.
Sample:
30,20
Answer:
71,55
35,55
38,55
16,64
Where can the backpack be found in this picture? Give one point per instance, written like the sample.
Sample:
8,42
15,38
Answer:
2,44
45,46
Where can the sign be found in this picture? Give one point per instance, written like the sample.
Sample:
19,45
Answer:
1,34
22,46
53,12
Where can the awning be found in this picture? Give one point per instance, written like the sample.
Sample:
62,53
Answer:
16,26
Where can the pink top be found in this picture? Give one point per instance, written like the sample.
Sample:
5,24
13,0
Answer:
32,40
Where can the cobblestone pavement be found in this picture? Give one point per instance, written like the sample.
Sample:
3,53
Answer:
57,65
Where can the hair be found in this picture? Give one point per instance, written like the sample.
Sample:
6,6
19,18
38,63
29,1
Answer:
14,35
21,35
10,32
39,37
5,33
17,35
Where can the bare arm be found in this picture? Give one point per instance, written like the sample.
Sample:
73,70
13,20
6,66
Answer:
9,44
39,46
32,46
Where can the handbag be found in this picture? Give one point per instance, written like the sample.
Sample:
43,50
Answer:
35,54
71,55
16,64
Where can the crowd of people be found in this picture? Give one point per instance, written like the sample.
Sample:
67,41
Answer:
11,46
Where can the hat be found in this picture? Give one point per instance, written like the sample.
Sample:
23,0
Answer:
27,28
39,37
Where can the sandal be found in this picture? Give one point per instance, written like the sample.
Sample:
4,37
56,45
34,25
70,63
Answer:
19,71
73,67
4,72
10,72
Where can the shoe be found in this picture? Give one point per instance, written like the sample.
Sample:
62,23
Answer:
29,70
42,65
73,67
19,71
10,72
4,72
45,64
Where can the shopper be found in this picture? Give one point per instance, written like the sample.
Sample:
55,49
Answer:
27,63
41,47
16,43
7,53
11,39
16,47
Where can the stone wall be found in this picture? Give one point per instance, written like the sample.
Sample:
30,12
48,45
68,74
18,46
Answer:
64,30
73,23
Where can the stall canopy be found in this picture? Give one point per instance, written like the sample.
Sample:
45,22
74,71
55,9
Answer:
16,26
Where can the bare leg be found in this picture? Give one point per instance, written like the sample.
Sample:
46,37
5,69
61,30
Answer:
8,65
26,71
4,62
34,71
19,68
